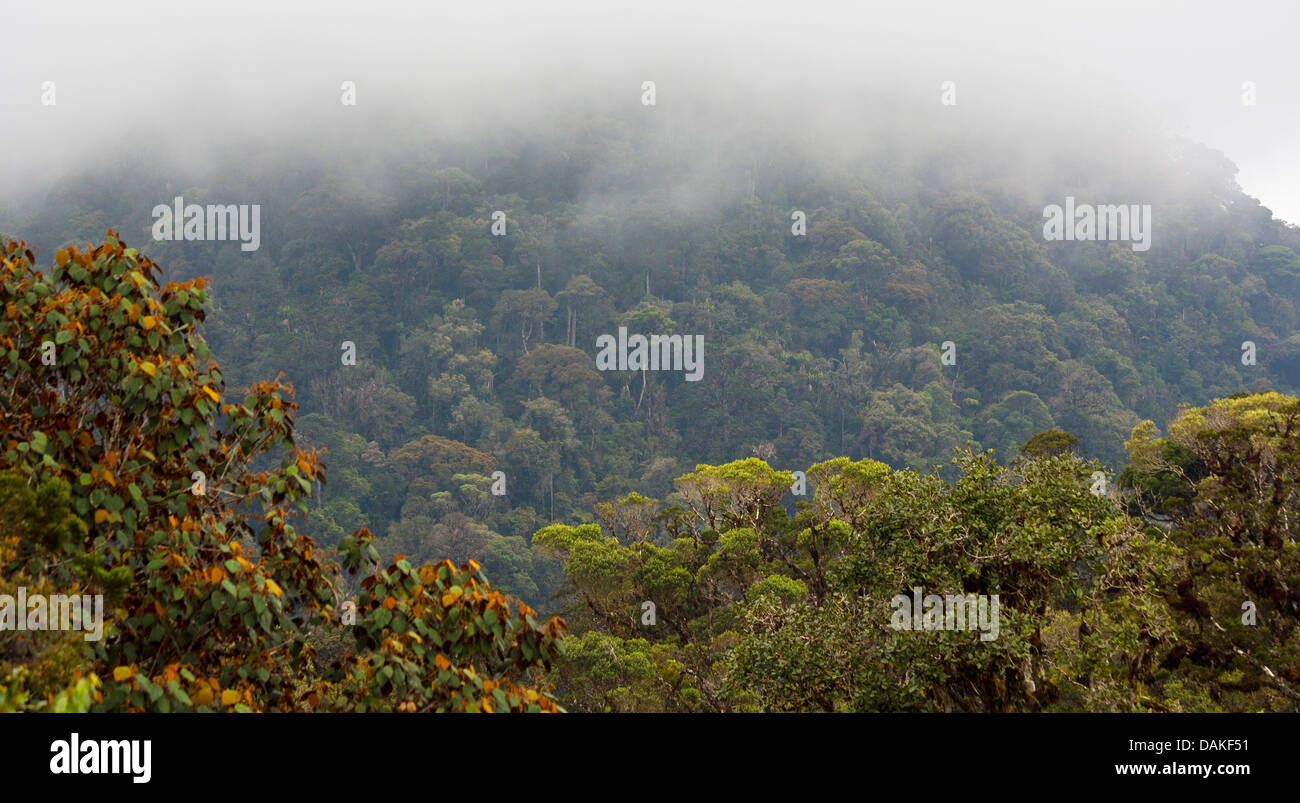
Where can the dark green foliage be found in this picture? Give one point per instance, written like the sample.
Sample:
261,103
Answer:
818,346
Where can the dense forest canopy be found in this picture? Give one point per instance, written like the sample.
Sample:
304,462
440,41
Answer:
920,314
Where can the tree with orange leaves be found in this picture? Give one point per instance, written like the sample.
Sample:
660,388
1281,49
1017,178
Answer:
211,594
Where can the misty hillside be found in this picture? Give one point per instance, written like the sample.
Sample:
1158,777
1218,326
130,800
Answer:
541,357
815,346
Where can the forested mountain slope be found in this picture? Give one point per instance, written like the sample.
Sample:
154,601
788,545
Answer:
476,353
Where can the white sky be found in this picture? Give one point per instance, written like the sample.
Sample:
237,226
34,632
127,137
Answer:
192,72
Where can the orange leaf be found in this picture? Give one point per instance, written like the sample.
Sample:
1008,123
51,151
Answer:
121,673
148,322
229,697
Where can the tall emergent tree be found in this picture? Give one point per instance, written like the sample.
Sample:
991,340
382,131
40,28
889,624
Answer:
1228,475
